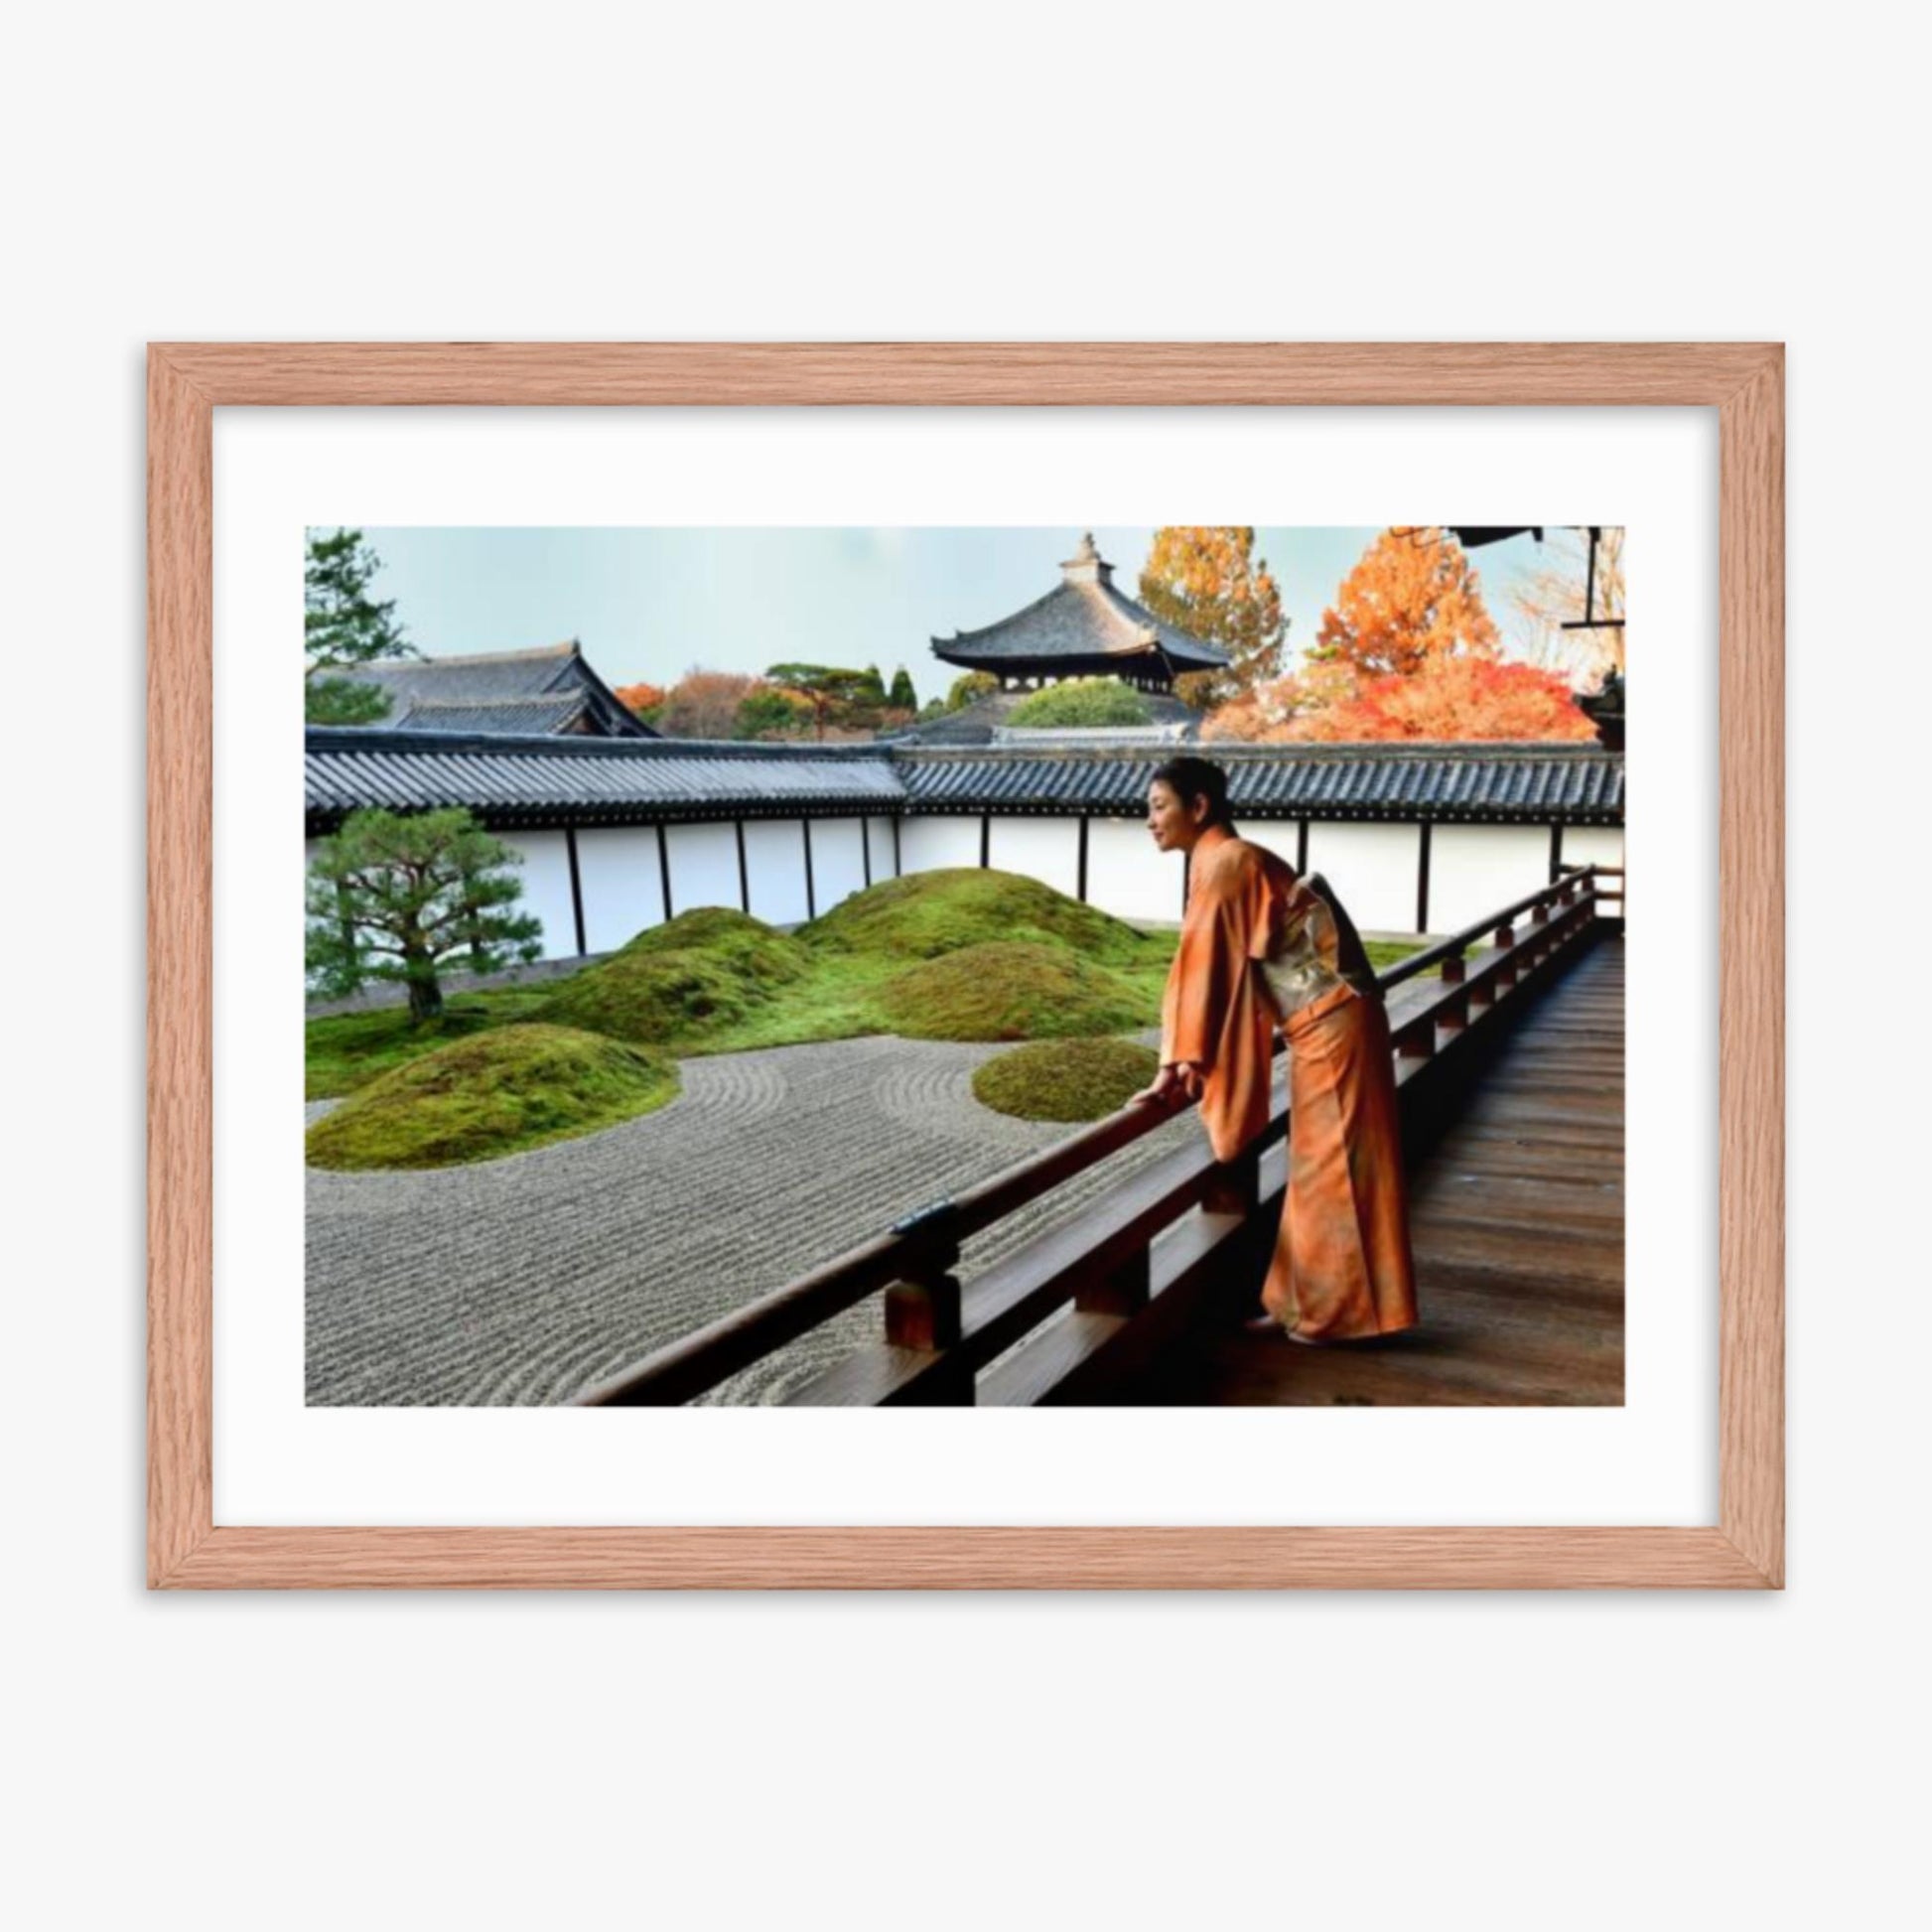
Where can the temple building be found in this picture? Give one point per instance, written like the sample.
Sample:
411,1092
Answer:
1082,627
548,692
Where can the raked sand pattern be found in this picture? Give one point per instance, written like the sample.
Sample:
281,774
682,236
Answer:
526,1280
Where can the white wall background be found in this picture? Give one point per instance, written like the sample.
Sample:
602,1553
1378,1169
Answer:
944,839
879,848
545,878
1373,868
1047,849
1128,875
838,861
1606,1761
704,865
1476,869
774,865
623,883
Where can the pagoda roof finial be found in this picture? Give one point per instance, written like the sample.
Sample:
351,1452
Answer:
1087,565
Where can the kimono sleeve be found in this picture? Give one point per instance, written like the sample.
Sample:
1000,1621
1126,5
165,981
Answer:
1224,924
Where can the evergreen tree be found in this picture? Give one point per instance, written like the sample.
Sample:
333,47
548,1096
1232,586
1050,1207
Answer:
903,697
344,626
872,687
390,897
836,696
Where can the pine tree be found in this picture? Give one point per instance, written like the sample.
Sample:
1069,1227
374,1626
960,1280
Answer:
392,895
1206,580
903,697
344,626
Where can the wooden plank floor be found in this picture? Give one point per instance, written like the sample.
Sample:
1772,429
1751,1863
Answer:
1517,1221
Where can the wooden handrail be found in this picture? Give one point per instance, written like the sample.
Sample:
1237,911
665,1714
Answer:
920,1250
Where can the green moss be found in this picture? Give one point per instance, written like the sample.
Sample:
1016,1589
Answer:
1012,990
927,913
514,1088
349,1049
1079,703
1066,1079
700,973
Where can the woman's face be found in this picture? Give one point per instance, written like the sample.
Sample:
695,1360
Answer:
1175,825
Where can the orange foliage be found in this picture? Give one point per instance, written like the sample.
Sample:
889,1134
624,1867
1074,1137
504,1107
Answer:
1206,579
1412,597
704,704
1455,698
639,697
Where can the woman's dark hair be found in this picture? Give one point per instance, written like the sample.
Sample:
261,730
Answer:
1190,779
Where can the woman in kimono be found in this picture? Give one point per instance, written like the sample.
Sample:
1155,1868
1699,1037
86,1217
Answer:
1260,949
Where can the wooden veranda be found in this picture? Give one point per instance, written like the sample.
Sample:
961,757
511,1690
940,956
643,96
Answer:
1509,1044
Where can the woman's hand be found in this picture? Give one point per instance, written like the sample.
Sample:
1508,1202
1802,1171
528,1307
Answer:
1174,1086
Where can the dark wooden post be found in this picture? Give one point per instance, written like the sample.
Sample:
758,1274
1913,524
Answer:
922,1312
1235,1186
922,1307
1123,1290
1504,976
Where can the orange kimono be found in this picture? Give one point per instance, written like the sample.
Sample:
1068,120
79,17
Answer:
1257,944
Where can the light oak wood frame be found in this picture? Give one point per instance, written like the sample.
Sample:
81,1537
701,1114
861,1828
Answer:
1743,382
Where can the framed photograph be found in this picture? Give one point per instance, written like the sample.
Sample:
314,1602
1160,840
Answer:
878,1015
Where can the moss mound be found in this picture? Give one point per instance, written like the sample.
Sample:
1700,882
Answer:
347,1050
1012,989
704,970
1066,1079
927,913
517,1088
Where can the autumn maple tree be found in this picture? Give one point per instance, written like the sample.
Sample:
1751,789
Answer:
1206,580
1412,597
641,700
704,704
1450,697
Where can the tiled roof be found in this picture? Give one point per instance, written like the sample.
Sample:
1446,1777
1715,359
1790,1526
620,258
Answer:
500,678
592,781
588,780
539,717
1082,617
1535,783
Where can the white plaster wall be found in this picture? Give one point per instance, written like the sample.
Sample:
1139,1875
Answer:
926,844
1476,869
775,867
1129,876
1047,849
1373,866
1281,836
704,863
1596,845
838,865
624,887
545,878
878,829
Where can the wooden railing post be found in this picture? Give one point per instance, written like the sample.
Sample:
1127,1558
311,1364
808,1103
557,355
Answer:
1123,1290
1235,1187
922,1312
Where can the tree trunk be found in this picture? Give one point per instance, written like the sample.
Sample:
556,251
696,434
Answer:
425,996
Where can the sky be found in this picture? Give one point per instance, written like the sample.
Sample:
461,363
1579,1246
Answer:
649,603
